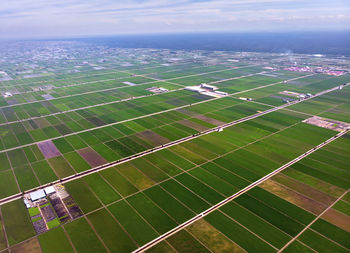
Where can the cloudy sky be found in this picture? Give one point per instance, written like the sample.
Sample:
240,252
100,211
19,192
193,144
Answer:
45,18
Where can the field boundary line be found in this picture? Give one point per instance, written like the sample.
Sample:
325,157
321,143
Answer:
113,70
312,222
167,145
244,190
105,103
169,110
154,80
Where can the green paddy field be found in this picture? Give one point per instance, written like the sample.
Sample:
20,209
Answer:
96,118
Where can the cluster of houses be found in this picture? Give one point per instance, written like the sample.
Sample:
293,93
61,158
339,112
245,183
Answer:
327,71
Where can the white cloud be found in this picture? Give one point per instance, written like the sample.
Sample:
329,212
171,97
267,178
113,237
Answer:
79,17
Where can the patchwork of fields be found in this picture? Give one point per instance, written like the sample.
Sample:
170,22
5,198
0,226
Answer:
89,133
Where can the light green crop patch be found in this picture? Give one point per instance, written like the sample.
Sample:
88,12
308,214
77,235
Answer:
54,223
33,211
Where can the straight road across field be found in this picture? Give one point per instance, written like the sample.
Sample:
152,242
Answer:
167,145
120,87
112,102
168,110
239,193
312,222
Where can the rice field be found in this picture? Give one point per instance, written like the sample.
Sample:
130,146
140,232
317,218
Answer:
106,118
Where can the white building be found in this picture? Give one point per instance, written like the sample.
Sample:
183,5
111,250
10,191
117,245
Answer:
26,203
50,189
221,93
7,94
208,87
194,88
39,194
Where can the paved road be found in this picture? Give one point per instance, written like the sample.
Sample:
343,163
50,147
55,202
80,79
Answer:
112,69
127,159
144,116
120,87
86,107
312,222
97,81
108,103
244,190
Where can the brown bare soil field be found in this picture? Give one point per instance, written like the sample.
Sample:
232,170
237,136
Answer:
304,189
152,137
92,157
210,120
293,197
30,246
193,125
184,111
337,218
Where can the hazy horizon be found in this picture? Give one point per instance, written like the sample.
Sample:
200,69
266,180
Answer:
44,19
332,43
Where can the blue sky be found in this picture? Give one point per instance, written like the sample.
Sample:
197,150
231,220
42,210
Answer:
45,18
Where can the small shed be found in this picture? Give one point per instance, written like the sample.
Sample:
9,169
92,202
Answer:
50,189
26,203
